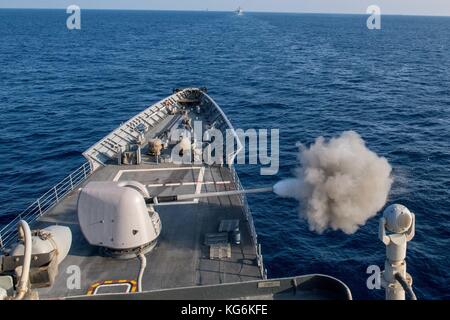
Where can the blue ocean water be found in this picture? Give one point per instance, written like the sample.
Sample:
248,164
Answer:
308,75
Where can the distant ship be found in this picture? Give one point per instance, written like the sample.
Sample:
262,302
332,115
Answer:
239,11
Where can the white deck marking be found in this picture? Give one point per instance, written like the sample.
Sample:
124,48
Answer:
155,185
198,184
189,183
120,172
198,188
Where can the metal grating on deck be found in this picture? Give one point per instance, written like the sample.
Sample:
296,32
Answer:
216,238
220,251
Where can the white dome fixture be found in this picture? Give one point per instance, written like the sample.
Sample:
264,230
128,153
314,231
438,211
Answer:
115,217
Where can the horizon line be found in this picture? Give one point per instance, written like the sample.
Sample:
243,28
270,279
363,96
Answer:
227,11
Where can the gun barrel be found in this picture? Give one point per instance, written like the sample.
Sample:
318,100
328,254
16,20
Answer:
180,197
222,193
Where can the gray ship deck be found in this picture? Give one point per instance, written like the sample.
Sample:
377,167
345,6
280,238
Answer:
180,258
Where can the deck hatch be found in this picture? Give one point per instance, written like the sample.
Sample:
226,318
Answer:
216,238
112,286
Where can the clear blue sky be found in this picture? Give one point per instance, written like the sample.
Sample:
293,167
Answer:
414,7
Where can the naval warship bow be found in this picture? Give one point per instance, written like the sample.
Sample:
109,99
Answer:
132,223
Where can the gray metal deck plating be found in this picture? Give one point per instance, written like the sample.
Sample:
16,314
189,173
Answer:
180,258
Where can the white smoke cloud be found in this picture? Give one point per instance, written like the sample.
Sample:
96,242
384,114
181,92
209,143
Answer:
340,183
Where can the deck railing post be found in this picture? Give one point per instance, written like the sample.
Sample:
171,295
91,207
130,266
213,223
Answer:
56,193
39,206
71,181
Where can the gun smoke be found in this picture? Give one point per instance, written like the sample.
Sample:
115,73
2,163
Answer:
340,183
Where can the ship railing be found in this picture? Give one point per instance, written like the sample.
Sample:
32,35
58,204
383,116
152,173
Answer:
46,202
243,200
249,217
229,158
